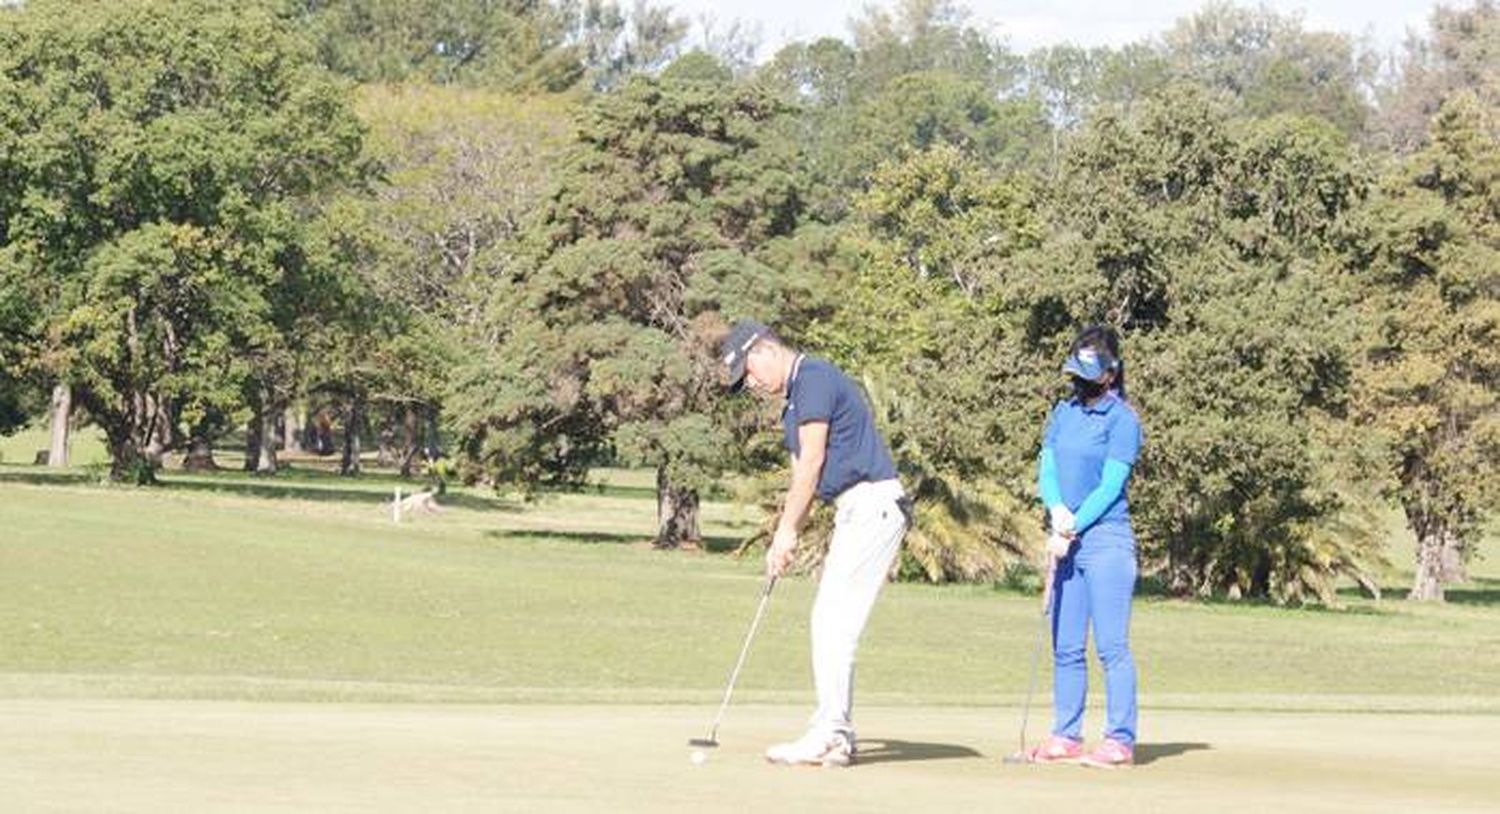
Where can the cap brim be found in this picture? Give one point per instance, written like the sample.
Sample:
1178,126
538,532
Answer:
734,379
1075,367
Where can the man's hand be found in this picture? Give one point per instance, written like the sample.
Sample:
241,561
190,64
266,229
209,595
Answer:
783,548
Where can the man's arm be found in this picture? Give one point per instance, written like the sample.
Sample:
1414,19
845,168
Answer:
807,466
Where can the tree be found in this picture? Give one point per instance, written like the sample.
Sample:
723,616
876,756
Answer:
948,217
928,35
515,45
461,169
916,76
917,323
161,159
16,394
923,109
1071,82
1461,53
1268,63
1431,369
1215,245
601,339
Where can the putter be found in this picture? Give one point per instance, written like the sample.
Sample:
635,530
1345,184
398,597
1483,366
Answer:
1036,657
713,735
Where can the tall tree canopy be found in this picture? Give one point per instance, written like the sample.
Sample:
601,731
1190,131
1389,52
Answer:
157,163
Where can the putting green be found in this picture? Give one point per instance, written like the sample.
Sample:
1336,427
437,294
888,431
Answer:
127,755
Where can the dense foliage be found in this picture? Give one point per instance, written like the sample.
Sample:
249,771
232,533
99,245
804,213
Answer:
510,233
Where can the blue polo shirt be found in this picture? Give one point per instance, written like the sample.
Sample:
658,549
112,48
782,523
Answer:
856,453
1082,437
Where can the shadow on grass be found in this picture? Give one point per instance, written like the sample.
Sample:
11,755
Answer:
609,490
288,485
1475,592
45,477
544,535
1479,591
634,492
1148,753
711,544
271,489
877,750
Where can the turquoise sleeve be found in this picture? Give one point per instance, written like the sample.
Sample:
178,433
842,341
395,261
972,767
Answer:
1111,486
1046,479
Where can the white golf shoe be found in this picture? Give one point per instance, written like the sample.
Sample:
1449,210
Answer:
814,749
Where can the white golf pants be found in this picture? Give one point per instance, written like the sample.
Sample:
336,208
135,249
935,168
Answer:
867,531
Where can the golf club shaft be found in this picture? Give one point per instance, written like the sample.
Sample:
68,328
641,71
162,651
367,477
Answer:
744,651
1036,651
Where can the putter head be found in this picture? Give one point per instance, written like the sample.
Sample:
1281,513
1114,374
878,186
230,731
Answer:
703,743
1015,759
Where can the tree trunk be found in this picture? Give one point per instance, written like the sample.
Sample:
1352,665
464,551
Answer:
433,445
353,423
386,457
1440,557
62,408
411,444
200,455
160,433
321,432
127,464
1428,585
295,422
252,443
265,463
676,513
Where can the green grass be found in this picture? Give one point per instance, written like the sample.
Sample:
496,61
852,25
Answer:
86,446
301,587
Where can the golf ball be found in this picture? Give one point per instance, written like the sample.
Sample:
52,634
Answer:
698,757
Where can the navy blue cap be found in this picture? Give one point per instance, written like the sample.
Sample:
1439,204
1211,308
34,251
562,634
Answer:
1089,363
736,347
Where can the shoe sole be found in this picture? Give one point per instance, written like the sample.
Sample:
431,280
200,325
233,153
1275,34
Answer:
1094,764
820,763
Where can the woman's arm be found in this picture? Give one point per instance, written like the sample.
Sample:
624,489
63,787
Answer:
1111,485
1046,479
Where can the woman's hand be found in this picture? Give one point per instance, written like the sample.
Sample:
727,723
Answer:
1058,545
1063,521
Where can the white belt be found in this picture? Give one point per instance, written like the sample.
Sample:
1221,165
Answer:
869,490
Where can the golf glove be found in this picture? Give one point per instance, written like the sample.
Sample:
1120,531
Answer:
1058,545
1063,521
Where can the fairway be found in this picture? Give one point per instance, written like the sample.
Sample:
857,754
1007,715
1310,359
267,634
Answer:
459,405
233,643
186,756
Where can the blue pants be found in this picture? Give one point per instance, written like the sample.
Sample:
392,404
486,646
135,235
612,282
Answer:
1094,582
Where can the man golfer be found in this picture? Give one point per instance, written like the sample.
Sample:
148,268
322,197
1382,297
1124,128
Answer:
838,456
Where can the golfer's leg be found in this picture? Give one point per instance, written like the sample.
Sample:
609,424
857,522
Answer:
860,555
1070,676
1111,572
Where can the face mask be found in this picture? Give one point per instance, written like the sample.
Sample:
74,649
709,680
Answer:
1085,390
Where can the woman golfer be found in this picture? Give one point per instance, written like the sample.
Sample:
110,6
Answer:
1089,447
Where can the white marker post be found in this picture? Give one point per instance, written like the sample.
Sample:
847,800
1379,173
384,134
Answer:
396,507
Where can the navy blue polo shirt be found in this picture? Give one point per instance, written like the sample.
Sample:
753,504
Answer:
1082,437
856,453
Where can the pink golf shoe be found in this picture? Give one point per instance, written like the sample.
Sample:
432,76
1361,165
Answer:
1056,749
1110,754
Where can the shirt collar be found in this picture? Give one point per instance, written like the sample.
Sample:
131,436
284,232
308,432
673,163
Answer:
1103,405
791,379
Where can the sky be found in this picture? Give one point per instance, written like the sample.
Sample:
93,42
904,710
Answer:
1028,24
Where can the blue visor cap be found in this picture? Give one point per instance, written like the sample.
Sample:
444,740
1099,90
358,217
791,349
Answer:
1088,363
